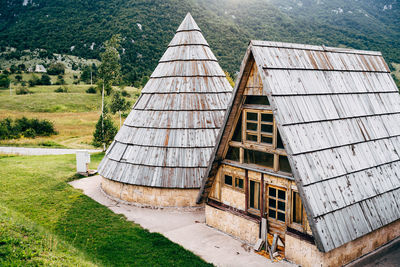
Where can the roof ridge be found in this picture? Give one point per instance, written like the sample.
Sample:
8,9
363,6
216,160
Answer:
321,48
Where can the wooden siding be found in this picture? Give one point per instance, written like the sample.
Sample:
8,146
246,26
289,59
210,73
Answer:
168,137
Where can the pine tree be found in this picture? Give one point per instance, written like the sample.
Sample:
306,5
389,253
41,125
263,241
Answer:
105,132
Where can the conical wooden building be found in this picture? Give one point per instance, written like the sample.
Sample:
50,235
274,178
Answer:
161,153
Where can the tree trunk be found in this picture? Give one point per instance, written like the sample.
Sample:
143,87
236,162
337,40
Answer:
119,119
102,117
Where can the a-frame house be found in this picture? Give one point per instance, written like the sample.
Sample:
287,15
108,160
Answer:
311,143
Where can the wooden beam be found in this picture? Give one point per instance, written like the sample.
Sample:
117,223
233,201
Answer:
246,189
258,147
243,214
262,196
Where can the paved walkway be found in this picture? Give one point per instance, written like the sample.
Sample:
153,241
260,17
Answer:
187,228
31,151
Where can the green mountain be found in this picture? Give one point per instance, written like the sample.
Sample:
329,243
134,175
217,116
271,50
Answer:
79,27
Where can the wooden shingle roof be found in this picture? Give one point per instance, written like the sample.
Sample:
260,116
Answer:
168,137
338,112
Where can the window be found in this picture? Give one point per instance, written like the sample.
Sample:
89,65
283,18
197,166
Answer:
279,143
234,182
284,165
254,195
259,158
228,180
239,183
259,127
237,135
297,208
256,140
276,204
233,154
256,100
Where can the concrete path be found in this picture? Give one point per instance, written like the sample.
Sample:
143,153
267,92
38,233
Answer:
186,228
31,151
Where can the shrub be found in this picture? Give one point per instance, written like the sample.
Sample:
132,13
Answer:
56,69
30,133
61,90
12,129
45,80
34,81
125,93
23,91
91,90
60,81
4,81
106,133
18,78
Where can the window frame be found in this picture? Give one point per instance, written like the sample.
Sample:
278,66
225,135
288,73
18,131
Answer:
268,197
233,185
258,133
250,209
299,227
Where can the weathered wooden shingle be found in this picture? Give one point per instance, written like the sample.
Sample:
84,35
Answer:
168,137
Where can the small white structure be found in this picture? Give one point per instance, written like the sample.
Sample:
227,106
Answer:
82,162
40,68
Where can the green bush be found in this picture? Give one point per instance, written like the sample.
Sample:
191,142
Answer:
105,131
45,80
91,90
4,80
13,129
56,69
23,91
30,133
61,90
34,81
125,93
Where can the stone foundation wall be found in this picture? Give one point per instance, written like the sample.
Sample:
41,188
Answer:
150,196
305,254
231,224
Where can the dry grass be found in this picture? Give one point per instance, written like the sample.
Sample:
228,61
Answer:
74,129
74,114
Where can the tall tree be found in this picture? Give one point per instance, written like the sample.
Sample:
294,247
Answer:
109,70
119,104
110,67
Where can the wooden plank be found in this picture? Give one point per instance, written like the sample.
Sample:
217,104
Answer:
262,185
246,189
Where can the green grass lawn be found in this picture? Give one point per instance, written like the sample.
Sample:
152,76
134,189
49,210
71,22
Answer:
45,220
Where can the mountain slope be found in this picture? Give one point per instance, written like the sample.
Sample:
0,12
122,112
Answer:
79,27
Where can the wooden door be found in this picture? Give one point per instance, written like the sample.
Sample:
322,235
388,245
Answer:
276,206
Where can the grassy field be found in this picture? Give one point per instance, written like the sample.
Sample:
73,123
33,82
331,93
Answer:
45,221
68,77
74,114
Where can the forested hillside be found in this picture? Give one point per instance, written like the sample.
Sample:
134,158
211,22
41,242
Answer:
79,27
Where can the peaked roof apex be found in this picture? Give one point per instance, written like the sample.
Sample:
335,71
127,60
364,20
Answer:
188,24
